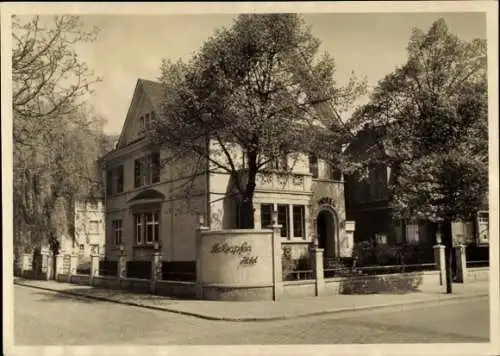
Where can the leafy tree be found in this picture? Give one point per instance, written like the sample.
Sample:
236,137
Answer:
430,116
54,133
255,86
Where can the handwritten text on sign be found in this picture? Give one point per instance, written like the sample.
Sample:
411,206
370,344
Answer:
242,251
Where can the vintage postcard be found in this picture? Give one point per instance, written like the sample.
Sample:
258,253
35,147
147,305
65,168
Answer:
250,178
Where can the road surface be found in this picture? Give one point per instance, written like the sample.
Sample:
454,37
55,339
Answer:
48,318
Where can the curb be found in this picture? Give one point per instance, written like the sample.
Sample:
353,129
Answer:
261,319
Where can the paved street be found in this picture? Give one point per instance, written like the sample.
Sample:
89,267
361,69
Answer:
43,317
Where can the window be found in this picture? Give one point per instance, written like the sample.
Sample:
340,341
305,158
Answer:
412,232
298,221
147,228
378,182
93,227
281,163
138,229
147,170
313,165
142,125
266,215
93,205
283,219
335,173
117,231
114,180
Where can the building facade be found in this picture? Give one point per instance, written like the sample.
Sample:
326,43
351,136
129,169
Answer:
152,202
367,203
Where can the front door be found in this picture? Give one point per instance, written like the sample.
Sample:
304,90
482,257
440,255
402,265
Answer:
326,233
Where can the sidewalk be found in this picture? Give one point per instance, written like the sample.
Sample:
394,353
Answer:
264,310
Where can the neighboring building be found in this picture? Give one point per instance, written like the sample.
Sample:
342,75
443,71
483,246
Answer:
367,203
89,227
148,203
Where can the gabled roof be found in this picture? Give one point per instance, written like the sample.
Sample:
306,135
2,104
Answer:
153,91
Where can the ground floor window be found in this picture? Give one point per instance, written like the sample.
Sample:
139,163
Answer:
283,220
290,217
147,228
117,231
298,221
266,215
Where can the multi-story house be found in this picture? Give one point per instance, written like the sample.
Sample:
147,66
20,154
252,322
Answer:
148,203
367,203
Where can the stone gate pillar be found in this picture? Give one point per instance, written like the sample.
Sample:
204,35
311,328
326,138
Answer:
156,268
94,262
277,265
439,260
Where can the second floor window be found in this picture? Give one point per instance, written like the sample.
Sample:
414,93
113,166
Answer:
313,165
93,227
335,173
147,170
114,180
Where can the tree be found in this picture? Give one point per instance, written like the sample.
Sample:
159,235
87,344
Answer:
253,87
433,114
54,132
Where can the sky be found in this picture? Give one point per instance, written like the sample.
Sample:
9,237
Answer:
132,46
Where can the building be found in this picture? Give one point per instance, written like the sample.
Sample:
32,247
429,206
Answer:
149,203
89,227
367,203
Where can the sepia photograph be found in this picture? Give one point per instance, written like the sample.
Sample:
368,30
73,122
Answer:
238,177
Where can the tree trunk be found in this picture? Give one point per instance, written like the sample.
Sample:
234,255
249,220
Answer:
246,205
448,243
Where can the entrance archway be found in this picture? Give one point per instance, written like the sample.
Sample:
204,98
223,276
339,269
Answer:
326,228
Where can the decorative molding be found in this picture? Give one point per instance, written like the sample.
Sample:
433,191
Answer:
326,201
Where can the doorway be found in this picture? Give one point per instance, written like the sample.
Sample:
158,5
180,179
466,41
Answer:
326,230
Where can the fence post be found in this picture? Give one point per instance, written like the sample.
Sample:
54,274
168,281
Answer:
439,260
317,259
27,264
156,268
59,265
277,265
199,270
73,264
122,264
94,262
461,264
50,265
